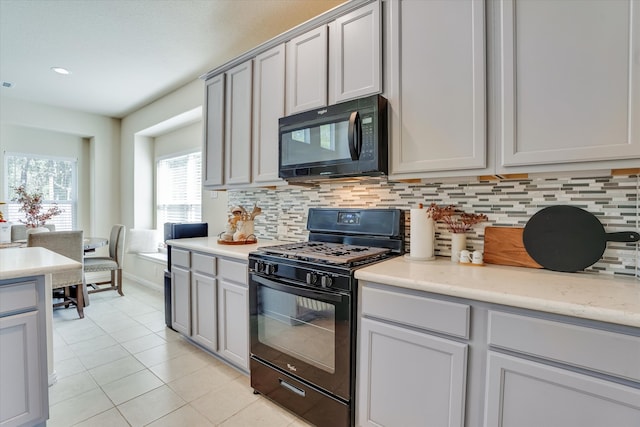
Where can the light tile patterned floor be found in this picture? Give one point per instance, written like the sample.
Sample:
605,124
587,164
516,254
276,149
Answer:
120,366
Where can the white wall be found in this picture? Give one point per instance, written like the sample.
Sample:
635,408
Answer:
163,126
99,202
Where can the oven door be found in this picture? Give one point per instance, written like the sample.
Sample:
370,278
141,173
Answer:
304,332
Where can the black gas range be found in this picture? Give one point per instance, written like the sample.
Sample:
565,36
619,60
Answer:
303,310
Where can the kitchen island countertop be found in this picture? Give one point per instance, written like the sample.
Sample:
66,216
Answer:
210,245
590,296
34,261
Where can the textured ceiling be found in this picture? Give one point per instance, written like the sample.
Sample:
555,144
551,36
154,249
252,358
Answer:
124,54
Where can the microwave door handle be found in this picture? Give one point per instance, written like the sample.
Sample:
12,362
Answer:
355,137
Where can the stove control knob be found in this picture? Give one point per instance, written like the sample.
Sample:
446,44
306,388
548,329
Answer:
326,281
269,269
311,278
259,266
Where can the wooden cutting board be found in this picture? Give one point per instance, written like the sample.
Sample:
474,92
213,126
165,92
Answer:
503,246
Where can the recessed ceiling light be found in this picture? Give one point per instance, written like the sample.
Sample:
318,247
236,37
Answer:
60,70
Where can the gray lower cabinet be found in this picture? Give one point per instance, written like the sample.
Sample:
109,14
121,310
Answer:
181,299
524,393
210,303
408,376
24,393
560,374
433,360
204,325
234,323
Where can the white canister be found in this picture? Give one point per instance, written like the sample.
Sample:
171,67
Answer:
465,256
476,257
5,232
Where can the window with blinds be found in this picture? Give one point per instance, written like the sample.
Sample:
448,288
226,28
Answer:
54,177
178,189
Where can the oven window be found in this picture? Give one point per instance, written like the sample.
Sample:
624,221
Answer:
301,327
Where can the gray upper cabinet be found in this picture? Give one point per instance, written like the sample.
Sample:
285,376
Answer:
307,58
268,107
355,55
435,71
214,132
335,63
237,141
569,83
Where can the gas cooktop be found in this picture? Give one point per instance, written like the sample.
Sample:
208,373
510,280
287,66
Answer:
335,253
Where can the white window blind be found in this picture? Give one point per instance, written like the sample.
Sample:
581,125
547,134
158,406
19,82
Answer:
178,189
54,177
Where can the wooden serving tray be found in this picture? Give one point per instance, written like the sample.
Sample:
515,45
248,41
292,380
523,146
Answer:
503,246
238,242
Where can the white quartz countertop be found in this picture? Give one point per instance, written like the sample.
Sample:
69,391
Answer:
23,262
210,245
590,296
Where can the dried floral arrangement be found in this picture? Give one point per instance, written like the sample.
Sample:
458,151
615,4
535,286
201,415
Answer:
31,205
456,221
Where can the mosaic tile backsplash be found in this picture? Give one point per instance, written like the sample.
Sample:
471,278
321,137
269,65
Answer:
613,199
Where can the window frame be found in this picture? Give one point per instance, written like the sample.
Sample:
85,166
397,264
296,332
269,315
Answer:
8,194
155,179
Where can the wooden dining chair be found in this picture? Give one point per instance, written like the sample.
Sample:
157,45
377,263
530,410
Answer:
112,263
69,244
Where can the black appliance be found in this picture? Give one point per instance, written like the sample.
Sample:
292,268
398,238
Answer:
343,140
175,230
302,302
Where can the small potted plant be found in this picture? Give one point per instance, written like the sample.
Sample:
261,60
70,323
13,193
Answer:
31,205
458,223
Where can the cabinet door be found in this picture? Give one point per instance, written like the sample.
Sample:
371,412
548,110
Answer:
22,398
522,393
214,132
355,58
570,81
268,107
181,300
437,86
204,327
407,378
355,54
307,57
233,315
237,142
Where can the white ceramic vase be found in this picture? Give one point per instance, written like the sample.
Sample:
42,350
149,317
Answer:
33,230
458,243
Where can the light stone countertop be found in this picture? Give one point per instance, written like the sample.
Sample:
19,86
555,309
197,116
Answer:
35,261
589,296
210,245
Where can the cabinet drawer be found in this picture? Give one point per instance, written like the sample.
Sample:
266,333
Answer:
18,297
180,257
203,264
434,315
233,270
607,352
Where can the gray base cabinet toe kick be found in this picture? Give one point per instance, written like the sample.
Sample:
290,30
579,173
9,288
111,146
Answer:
210,303
24,393
427,359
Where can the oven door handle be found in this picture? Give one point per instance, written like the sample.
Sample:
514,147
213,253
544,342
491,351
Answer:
324,296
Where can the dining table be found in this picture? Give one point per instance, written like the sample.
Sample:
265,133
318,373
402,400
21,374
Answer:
89,244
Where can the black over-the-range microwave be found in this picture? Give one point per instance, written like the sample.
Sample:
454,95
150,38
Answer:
343,140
